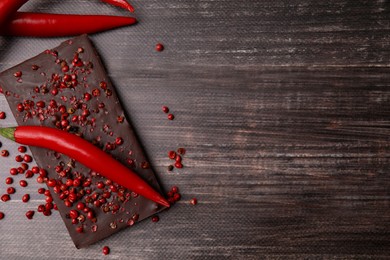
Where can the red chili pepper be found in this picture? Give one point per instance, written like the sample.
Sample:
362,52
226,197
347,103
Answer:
85,153
121,3
8,8
55,25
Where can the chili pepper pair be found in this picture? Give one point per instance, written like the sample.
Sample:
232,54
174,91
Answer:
51,25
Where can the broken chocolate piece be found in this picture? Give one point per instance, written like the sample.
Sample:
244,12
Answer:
67,88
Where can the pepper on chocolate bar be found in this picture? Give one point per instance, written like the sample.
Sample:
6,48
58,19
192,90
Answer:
67,88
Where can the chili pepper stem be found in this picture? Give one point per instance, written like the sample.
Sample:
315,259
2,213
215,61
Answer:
8,132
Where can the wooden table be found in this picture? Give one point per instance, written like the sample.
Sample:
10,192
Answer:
283,108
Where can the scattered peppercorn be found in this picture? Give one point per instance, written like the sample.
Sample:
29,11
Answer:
30,214
4,153
1,215
5,197
171,116
2,115
27,158
178,165
26,198
106,250
9,180
159,47
155,219
22,149
165,109
193,201
172,154
181,151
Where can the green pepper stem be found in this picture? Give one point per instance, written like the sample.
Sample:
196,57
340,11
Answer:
8,132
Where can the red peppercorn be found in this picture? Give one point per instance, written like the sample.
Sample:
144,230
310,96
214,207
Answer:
4,153
13,171
49,199
49,206
106,250
80,206
172,154
42,173
100,185
20,107
35,169
23,183
18,158
54,91
26,198
165,109
27,158
24,166
30,214
171,116
155,219
90,214
10,190
193,201
51,183
96,93
1,215
159,47
103,85
41,208
178,165
80,229
119,140
47,193
87,96
76,182
40,179
47,213
28,174
41,104
69,182
178,158
5,197
41,190
175,189
9,180
120,119
17,74
73,214
176,196
2,115
68,203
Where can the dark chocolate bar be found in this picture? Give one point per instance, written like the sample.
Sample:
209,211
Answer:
68,88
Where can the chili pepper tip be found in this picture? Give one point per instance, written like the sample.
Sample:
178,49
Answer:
164,202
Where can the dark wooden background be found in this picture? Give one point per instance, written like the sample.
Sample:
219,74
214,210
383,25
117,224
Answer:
283,107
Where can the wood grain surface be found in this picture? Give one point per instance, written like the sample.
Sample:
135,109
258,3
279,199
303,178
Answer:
283,107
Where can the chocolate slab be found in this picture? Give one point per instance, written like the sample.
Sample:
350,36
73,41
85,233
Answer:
77,96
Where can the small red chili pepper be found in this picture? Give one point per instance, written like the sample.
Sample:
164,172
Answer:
56,25
8,8
86,153
121,3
